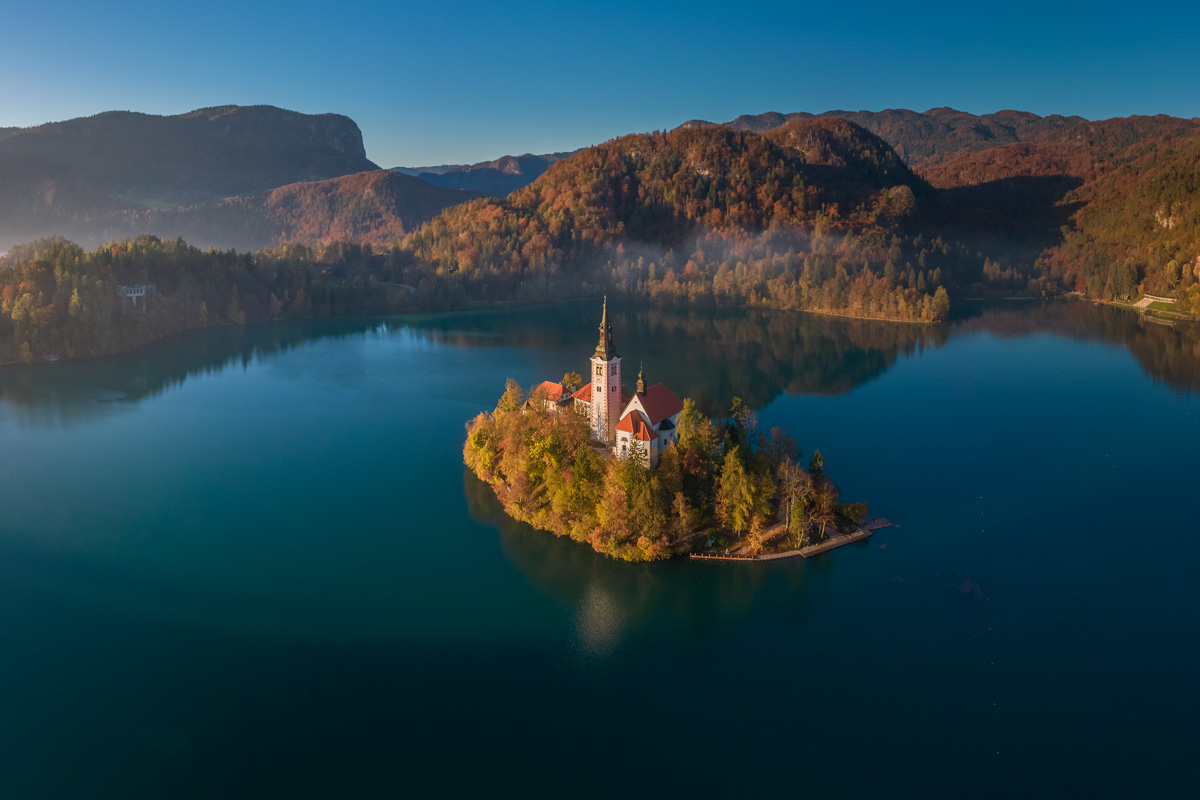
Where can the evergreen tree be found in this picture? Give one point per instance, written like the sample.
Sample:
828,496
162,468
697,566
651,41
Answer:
941,305
512,399
735,493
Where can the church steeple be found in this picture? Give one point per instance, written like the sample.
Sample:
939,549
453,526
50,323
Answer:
605,383
605,349
641,384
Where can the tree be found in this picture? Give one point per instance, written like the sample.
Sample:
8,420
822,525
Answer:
735,493
754,538
572,380
234,313
824,507
816,466
741,422
796,493
587,482
479,452
512,399
780,447
941,305
687,424
681,519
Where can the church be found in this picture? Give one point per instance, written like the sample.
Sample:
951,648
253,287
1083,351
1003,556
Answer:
639,425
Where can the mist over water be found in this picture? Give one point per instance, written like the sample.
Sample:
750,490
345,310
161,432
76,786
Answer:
249,561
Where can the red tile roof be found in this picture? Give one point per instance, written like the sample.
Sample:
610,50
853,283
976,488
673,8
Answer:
584,394
554,391
660,403
633,423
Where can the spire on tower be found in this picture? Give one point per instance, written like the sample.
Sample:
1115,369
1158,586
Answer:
605,348
641,384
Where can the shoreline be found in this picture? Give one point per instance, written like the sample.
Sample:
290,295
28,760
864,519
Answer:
509,305
868,319
496,306
1149,313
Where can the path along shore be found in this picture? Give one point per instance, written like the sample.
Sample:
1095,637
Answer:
864,531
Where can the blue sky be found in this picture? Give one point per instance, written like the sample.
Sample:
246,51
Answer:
437,82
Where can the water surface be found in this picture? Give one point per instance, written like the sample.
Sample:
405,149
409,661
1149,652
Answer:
247,562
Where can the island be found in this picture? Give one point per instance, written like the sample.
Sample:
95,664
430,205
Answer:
643,475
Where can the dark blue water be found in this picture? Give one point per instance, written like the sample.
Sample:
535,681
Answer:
249,563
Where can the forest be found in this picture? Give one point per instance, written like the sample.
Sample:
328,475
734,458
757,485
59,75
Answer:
59,301
818,215
1108,209
815,214
724,483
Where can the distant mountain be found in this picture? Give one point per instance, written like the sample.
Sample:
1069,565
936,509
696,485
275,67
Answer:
923,138
497,178
376,207
85,178
441,169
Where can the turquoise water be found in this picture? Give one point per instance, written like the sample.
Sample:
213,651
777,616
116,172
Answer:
249,562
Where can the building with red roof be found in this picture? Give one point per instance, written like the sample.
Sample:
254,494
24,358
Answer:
639,425
647,425
555,396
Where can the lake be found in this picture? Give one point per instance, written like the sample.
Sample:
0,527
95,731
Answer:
249,562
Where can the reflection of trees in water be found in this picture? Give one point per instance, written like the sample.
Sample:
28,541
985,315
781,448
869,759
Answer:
611,599
76,391
710,355
1167,352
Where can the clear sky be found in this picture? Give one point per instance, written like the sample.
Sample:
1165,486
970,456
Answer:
449,81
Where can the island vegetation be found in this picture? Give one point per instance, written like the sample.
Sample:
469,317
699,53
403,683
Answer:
725,484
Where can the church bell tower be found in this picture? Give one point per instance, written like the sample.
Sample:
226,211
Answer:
606,383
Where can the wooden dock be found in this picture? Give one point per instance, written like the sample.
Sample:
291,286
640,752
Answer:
731,557
773,556
834,542
865,531
723,557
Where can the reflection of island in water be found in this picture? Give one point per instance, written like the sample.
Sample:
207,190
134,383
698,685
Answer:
713,354
613,598
709,355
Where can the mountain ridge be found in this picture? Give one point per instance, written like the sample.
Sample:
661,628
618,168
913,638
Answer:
923,137
124,173
498,177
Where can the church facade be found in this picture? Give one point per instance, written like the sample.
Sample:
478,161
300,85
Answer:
639,425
